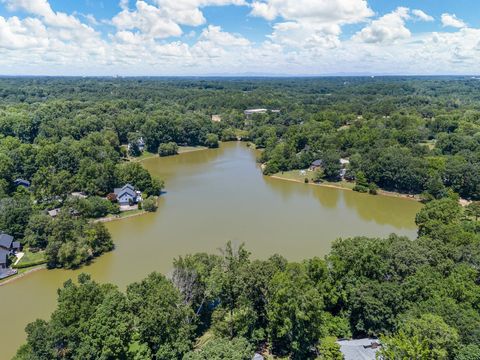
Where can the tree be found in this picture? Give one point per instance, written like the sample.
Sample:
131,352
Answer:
163,321
329,349
211,140
361,183
220,349
14,215
427,337
437,213
108,331
473,210
38,230
166,149
294,311
150,204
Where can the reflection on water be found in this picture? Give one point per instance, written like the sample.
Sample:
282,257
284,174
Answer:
214,196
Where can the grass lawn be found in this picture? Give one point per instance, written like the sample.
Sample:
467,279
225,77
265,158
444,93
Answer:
31,259
295,175
145,155
184,149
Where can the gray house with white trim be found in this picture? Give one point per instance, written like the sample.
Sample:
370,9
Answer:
126,195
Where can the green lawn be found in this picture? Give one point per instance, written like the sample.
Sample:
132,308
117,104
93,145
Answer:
295,175
31,259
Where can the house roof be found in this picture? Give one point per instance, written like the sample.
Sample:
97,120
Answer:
317,163
6,241
23,182
255,111
358,349
54,212
16,244
3,256
126,189
257,356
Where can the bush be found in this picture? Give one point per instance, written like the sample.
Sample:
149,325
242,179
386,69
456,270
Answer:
150,204
318,176
372,189
360,188
235,349
167,149
211,141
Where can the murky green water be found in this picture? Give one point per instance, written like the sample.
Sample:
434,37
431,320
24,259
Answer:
213,196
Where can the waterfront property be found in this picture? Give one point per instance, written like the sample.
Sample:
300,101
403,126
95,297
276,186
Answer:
127,195
359,349
3,259
315,165
7,243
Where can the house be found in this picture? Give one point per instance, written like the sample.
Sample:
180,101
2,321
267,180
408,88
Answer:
140,145
359,349
257,356
127,195
216,118
21,182
7,243
250,112
344,162
79,195
315,165
54,212
3,259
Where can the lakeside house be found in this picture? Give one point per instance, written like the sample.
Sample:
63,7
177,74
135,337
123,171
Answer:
216,118
7,243
140,145
3,259
315,165
127,195
21,182
359,349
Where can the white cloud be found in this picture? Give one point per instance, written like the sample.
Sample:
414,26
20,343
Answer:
422,15
148,19
305,39
215,35
314,11
388,28
21,34
310,23
42,8
452,20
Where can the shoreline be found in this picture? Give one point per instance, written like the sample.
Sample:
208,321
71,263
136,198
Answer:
380,192
181,150
115,218
21,275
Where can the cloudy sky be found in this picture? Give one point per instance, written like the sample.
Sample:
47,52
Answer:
207,37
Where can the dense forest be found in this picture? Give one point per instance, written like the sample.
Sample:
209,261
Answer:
414,135
420,297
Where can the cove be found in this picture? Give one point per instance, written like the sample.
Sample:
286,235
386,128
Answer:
213,196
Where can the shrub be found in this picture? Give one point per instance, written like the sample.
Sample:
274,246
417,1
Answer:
150,204
167,149
211,141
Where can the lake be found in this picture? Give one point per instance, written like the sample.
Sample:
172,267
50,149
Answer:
213,196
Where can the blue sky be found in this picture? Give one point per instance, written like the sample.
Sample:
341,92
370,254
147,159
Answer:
202,37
